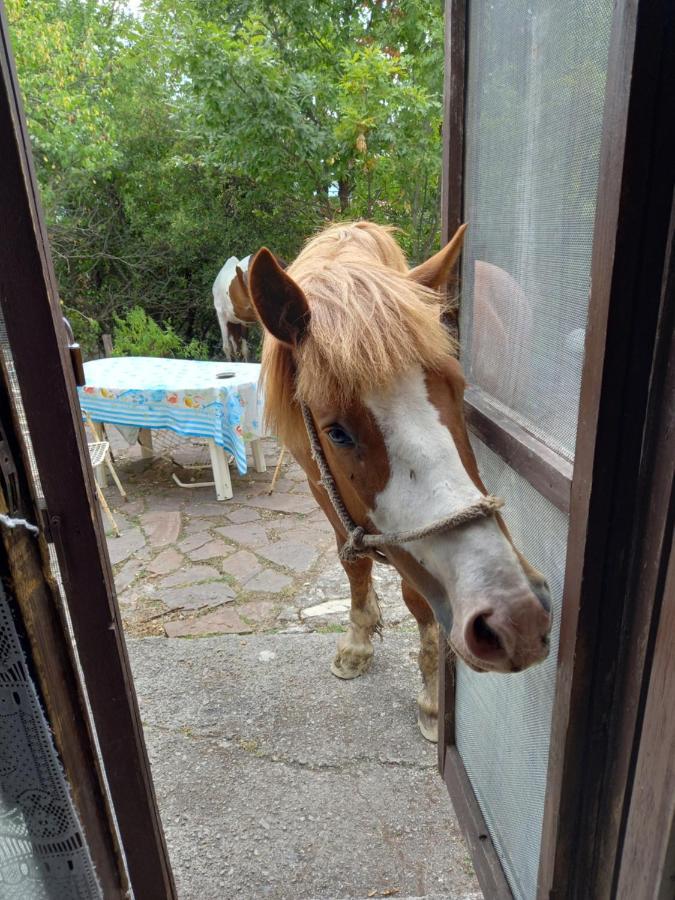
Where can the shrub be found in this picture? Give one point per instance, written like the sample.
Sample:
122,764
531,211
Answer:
137,334
86,330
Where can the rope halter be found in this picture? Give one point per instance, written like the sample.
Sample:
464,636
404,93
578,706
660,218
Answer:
359,543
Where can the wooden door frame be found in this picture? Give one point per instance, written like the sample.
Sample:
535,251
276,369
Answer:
614,485
72,520
647,865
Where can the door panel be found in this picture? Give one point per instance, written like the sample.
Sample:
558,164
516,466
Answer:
534,96
556,406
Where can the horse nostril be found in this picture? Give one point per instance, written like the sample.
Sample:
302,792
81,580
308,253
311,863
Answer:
485,637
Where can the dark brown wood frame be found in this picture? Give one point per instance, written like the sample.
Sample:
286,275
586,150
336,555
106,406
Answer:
619,499
33,318
647,867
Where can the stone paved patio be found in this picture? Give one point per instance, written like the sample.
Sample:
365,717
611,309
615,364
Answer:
274,778
187,565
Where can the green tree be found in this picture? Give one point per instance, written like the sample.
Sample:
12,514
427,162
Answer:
167,140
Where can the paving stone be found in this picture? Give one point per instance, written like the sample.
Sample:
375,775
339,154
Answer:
251,534
291,555
242,564
330,607
132,508
196,526
302,487
257,611
313,537
288,503
145,553
223,621
269,582
212,550
197,596
239,516
283,485
122,522
162,527
195,541
167,561
127,574
207,509
163,502
243,493
189,575
288,614
121,548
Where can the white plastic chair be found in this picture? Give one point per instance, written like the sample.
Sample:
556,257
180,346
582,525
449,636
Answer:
99,455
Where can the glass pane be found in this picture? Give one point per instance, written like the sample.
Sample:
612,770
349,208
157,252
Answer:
503,721
536,83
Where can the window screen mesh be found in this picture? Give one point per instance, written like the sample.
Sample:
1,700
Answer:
535,91
536,81
503,721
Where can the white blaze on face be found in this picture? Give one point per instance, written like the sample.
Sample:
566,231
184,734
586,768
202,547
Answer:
474,564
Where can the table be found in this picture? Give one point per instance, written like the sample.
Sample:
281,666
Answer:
186,397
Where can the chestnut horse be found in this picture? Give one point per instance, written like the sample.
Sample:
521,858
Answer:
354,342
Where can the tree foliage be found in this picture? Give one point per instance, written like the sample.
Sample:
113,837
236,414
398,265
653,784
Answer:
172,136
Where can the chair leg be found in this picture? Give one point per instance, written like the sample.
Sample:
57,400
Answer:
277,470
106,509
112,471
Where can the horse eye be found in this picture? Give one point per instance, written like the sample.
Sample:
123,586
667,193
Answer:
339,436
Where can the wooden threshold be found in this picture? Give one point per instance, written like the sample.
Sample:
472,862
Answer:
547,471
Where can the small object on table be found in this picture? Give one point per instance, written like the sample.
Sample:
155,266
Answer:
185,396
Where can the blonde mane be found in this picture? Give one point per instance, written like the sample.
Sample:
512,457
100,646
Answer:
369,323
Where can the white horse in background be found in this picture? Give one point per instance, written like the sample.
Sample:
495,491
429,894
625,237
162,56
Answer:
234,307
234,311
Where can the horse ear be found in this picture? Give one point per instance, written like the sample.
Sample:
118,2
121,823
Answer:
239,275
279,302
435,271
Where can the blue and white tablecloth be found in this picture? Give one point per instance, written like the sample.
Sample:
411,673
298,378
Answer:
184,396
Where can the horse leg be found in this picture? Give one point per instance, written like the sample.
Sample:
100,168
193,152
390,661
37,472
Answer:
427,700
355,647
231,348
224,332
244,344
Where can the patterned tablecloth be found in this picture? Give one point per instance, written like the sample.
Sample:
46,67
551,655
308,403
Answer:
184,396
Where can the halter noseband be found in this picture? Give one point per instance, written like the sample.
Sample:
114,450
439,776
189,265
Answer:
359,543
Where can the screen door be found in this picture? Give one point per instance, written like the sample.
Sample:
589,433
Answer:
535,88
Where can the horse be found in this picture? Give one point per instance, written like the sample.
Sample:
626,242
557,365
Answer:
233,306
363,386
